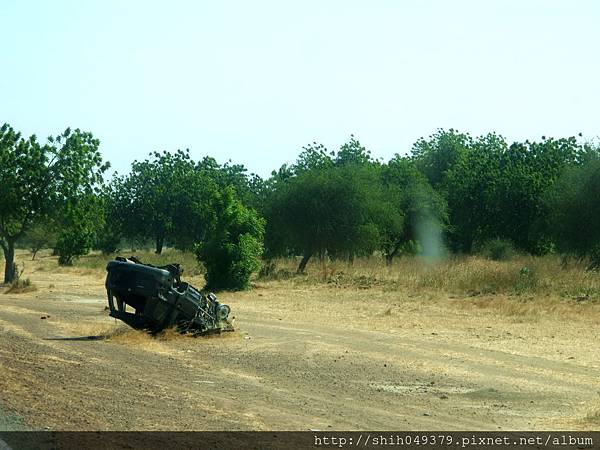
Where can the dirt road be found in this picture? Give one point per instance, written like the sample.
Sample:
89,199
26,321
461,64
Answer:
304,357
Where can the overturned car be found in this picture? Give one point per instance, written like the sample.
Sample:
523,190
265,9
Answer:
158,299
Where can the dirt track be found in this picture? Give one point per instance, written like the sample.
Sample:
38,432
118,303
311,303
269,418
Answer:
302,358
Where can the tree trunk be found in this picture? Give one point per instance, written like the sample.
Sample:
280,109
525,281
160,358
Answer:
34,253
159,244
389,257
304,261
9,258
350,260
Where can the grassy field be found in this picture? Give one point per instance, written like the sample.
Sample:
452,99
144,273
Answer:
509,341
526,277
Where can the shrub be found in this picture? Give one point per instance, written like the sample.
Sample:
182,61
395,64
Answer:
107,242
594,258
19,285
233,246
498,249
527,281
72,244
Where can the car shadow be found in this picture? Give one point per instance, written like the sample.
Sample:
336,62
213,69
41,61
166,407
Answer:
78,338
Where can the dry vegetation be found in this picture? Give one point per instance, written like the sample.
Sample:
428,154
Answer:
97,261
20,285
524,276
524,284
472,276
524,307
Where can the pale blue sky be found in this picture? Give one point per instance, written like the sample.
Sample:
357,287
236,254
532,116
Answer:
254,81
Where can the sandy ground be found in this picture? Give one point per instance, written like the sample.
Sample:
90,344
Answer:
303,357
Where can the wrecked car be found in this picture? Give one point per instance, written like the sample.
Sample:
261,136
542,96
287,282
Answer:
154,298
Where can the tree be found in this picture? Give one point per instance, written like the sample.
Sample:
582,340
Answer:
37,180
436,155
247,186
494,190
81,220
232,247
470,186
575,211
168,198
528,172
40,235
152,187
194,213
313,157
332,210
113,203
422,209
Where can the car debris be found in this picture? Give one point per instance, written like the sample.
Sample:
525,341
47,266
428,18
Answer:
157,299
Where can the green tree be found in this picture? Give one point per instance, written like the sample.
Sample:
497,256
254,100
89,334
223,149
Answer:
168,197
152,187
470,186
247,185
494,190
38,180
232,247
330,210
194,212
113,203
575,210
439,153
40,235
528,172
422,210
81,219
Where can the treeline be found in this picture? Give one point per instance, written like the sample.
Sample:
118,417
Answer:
451,193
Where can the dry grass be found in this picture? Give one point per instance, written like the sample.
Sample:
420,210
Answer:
20,286
459,275
593,415
95,262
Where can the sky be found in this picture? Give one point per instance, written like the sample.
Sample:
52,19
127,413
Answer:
255,81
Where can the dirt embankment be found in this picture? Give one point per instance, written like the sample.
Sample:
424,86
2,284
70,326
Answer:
302,358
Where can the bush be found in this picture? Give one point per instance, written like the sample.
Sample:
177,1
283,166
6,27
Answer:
527,281
269,271
233,247
594,258
20,285
107,242
498,249
72,244
41,235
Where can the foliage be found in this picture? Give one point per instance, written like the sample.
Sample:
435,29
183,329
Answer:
164,198
575,206
423,210
331,210
435,156
168,197
247,186
113,216
39,180
497,249
232,247
40,235
80,222
20,285
476,194
493,189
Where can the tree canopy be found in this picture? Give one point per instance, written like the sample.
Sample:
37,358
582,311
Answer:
42,181
452,191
